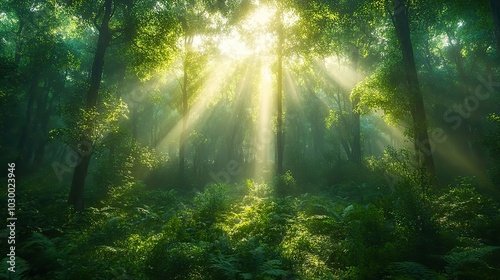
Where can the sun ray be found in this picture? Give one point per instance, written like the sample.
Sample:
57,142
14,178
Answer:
263,130
210,89
339,71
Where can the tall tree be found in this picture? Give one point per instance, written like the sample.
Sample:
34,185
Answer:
188,41
279,95
76,194
495,9
401,22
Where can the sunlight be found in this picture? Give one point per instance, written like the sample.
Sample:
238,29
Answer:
295,99
212,86
253,38
342,74
260,18
460,161
232,45
264,134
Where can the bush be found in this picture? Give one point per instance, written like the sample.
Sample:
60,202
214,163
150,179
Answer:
285,184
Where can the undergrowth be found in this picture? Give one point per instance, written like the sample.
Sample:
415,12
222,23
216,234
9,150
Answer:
246,231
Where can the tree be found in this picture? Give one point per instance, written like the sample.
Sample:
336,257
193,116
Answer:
417,111
76,194
495,9
279,95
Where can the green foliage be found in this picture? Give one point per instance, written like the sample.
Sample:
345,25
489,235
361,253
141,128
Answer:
470,263
246,260
285,184
124,162
385,90
463,210
179,260
492,142
42,253
243,232
21,270
412,270
211,203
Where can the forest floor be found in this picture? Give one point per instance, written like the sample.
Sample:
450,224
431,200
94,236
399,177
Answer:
247,231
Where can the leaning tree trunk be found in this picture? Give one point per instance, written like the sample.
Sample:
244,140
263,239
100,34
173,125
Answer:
76,193
421,137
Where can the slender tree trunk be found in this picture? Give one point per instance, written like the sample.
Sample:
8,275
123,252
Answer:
495,9
22,146
76,194
134,118
356,141
417,110
19,45
182,143
279,96
41,128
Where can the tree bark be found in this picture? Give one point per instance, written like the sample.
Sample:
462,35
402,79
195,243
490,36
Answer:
417,110
41,128
182,143
279,96
356,141
23,154
76,194
134,121
495,9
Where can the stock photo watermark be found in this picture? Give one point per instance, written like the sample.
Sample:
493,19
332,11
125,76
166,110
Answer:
72,158
11,217
454,116
458,112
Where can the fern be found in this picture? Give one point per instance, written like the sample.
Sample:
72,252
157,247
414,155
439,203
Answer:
40,241
458,260
272,268
226,264
41,253
412,270
21,270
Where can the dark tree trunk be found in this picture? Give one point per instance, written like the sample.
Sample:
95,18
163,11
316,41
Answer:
417,110
57,87
19,45
41,132
22,147
76,194
279,96
495,8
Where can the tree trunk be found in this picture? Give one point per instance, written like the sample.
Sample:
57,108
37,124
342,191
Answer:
76,193
421,137
23,154
495,8
19,45
182,143
279,96
41,128
134,121
356,130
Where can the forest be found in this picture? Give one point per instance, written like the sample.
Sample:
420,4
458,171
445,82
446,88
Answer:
250,139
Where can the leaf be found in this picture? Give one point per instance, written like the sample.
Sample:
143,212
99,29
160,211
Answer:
413,269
